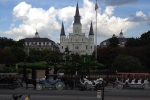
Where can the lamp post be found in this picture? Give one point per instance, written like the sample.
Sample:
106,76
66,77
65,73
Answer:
33,71
55,71
24,69
46,70
103,88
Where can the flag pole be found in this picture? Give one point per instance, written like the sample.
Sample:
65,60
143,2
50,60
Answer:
96,7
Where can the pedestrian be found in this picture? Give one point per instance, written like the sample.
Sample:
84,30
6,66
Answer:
27,98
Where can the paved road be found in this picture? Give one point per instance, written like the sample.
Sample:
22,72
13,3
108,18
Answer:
47,94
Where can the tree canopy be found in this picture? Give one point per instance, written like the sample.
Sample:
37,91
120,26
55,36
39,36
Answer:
126,63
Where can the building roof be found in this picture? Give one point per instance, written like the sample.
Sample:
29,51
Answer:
91,30
77,15
77,11
37,40
119,39
62,30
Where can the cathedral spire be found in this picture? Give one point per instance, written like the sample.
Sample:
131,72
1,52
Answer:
77,16
62,30
91,29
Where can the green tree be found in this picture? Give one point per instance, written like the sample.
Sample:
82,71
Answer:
107,56
132,42
34,55
126,63
6,42
19,53
145,38
44,53
20,43
86,64
113,42
7,57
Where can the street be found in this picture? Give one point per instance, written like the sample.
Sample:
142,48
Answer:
52,94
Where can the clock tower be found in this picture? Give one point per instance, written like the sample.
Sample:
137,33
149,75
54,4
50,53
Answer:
77,26
77,42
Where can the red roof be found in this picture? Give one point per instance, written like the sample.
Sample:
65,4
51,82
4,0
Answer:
133,73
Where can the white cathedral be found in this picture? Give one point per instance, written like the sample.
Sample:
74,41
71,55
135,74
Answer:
77,42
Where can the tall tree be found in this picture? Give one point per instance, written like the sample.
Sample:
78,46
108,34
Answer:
132,42
18,52
20,43
113,42
7,57
145,38
126,63
34,55
6,42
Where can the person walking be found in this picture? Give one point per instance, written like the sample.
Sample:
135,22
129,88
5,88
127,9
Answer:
27,98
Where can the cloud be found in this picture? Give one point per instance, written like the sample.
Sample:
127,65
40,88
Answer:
31,19
48,22
109,10
139,17
119,2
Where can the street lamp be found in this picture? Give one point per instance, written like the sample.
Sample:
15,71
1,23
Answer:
33,71
47,70
103,88
24,69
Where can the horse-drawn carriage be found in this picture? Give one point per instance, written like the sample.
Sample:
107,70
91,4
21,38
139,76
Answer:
9,80
133,80
51,82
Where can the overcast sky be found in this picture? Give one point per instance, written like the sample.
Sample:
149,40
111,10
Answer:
21,18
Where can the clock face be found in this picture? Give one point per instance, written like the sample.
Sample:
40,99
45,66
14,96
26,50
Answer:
77,37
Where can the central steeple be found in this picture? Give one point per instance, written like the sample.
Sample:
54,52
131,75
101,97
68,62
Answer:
77,16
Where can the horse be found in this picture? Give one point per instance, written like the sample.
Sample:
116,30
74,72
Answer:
29,81
68,82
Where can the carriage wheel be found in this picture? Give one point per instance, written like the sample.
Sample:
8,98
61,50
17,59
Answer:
120,86
38,87
59,86
146,86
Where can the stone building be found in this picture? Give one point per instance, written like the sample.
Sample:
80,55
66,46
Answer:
77,42
122,41
39,43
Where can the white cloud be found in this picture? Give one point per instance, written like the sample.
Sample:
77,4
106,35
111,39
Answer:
19,37
140,14
66,13
109,10
47,22
21,10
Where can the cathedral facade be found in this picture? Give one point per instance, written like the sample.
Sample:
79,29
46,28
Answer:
77,42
